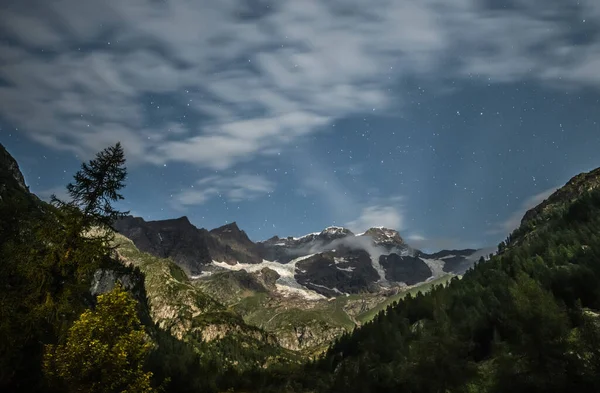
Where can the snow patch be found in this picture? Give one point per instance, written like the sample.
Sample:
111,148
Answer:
346,269
377,266
305,236
337,261
201,275
436,266
329,289
286,284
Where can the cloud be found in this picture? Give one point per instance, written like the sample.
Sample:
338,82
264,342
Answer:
388,216
414,237
514,220
78,75
236,188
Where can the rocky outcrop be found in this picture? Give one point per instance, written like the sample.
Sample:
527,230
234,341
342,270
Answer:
337,272
407,269
10,171
219,331
308,336
232,245
177,239
388,238
105,280
193,249
574,188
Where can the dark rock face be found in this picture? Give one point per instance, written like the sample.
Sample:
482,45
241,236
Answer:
332,273
407,269
191,248
178,239
233,245
10,172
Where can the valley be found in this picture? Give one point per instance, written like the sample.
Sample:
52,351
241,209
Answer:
312,288
333,311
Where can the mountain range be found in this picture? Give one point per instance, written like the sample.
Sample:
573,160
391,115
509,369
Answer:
328,263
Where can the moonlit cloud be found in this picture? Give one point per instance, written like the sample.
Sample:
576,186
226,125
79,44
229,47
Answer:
80,74
235,188
378,215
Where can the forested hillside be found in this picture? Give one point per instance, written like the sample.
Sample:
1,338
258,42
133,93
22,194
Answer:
525,321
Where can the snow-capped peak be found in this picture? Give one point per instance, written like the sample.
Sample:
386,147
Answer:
382,235
306,236
334,229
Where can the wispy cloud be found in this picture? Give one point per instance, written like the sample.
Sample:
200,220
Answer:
77,75
415,237
514,220
388,214
236,188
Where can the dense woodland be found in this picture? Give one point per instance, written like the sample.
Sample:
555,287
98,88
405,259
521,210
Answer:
524,321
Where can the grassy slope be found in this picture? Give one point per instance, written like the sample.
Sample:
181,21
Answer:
283,316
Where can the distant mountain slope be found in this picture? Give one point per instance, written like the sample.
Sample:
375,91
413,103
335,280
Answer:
191,248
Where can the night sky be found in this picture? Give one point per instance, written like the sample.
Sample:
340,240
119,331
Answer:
444,119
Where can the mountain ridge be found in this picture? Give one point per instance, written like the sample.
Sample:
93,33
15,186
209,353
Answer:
334,257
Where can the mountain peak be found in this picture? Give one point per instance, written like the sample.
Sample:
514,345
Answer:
9,166
231,227
183,219
334,232
382,235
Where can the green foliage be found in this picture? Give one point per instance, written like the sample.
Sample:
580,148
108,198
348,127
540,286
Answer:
104,351
96,185
48,255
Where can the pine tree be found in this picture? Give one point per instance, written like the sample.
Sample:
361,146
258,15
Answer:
96,187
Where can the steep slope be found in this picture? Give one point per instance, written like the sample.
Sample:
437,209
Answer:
232,245
11,178
178,306
177,239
